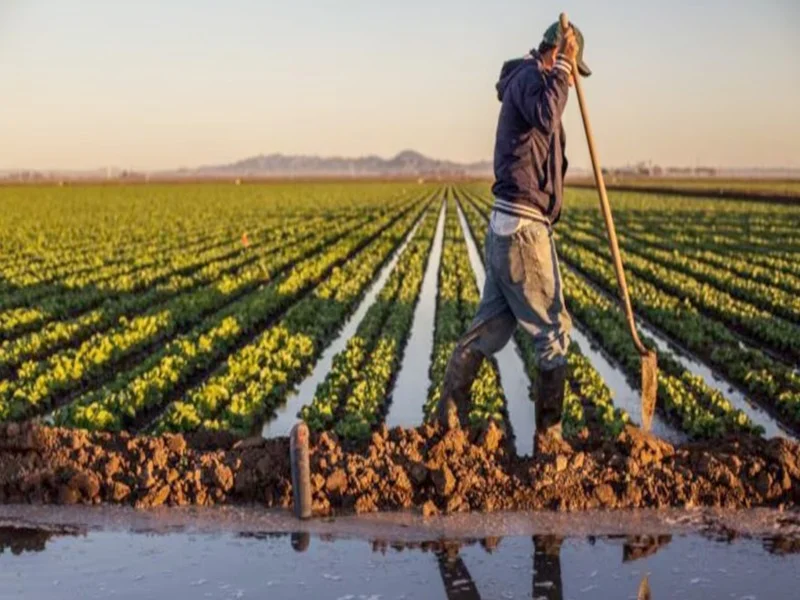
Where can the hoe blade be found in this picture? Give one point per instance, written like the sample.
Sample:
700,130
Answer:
649,388
644,590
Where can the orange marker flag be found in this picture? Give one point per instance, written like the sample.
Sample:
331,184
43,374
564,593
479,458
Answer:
245,240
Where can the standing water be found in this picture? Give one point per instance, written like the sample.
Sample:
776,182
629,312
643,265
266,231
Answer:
413,379
623,394
618,555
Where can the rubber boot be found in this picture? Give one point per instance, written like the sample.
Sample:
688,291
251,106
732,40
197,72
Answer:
462,368
549,407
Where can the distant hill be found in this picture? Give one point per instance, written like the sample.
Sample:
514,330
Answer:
405,164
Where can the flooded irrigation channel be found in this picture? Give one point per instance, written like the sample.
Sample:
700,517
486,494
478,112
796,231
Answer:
623,393
246,553
413,380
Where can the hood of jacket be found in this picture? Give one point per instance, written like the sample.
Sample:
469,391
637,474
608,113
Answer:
509,69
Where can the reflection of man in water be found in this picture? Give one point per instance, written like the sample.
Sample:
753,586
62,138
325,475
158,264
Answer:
547,567
457,581
459,585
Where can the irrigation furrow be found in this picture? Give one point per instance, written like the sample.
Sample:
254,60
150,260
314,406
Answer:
287,414
773,385
763,296
411,387
690,362
773,333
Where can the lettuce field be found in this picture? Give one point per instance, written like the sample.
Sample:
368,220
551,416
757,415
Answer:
184,308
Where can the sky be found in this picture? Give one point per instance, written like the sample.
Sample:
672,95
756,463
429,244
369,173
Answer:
155,84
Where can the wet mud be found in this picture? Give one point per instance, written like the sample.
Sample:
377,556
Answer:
424,469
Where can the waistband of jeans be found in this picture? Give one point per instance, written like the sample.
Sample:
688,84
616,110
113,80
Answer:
517,209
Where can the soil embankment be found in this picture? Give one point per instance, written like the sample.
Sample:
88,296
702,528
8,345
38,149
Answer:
421,468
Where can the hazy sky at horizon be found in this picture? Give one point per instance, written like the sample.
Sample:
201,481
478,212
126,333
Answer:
167,83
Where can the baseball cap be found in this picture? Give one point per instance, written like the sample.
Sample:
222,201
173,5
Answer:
553,37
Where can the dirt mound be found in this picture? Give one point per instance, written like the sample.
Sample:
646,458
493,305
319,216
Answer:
50,465
422,468
450,473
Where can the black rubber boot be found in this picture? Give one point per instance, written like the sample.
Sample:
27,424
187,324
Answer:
549,407
462,368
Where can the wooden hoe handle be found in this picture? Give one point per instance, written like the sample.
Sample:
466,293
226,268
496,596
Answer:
605,207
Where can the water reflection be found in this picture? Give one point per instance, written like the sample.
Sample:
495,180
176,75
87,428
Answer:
28,539
23,539
547,583
641,546
545,566
457,581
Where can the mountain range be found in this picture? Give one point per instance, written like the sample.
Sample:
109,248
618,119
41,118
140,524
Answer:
408,163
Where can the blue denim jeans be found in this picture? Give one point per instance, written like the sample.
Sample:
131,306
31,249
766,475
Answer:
523,287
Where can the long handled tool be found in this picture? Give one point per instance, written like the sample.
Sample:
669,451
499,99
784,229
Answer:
649,361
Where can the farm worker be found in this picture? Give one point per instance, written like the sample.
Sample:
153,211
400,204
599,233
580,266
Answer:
523,282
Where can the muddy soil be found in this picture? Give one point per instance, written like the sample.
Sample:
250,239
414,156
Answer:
424,469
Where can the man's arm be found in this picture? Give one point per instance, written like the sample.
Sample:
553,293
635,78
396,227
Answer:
543,105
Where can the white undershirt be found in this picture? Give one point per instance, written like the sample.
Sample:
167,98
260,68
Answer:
505,224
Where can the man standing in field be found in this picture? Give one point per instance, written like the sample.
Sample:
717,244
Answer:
523,282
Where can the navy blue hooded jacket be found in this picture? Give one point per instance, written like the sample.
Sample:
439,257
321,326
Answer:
529,159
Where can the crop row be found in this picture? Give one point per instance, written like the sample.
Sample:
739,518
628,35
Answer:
244,265
746,269
36,384
54,233
699,410
75,296
34,306
97,282
101,277
692,223
774,333
46,263
587,401
742,290
355,391
76,369
715,186
136,396
456,302
739,230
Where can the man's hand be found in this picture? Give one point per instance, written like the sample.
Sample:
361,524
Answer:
569,46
